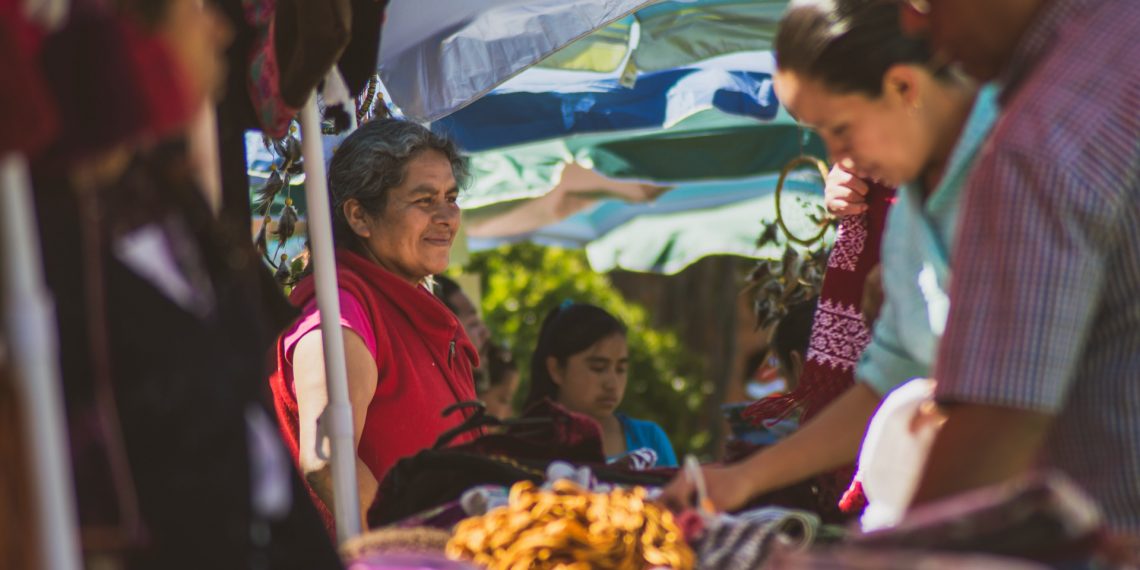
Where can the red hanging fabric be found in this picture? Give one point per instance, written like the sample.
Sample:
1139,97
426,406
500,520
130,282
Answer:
28,119
839,335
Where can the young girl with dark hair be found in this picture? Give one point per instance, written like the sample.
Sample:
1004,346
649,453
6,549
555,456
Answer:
581,362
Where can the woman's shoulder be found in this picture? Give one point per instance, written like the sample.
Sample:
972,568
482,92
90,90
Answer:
353,316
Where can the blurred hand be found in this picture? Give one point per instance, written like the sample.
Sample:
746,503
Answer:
845,194
728,489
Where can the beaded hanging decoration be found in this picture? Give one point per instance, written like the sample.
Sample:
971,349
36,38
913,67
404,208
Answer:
287,164
281,219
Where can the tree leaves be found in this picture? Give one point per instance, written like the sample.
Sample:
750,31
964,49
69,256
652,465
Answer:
522,282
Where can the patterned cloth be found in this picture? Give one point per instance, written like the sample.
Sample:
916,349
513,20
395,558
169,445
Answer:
1046,315
745,540
838,333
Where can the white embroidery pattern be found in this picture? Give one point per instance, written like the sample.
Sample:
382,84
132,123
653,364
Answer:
838,336
849,242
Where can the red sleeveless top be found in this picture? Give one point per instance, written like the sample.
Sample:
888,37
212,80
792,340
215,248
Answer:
423,360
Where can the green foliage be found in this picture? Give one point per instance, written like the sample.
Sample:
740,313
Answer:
521,283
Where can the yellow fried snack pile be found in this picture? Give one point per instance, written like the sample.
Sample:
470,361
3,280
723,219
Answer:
569,528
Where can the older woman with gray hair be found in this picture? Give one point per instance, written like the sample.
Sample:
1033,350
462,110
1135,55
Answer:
393,186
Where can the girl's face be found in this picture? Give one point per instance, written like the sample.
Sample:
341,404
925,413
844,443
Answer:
888,138
593,381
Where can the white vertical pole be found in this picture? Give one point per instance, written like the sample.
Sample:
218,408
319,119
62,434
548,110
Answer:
30,329
337,417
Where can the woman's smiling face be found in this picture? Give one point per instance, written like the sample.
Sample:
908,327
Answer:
886,137
412,237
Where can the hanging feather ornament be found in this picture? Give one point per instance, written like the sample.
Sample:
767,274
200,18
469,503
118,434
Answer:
778,284
288,162
261,242
365,101
279,144
294,164
282,275
371,105
286,223
770,235
265,195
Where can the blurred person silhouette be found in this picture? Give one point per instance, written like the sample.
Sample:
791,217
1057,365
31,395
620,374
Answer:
164,316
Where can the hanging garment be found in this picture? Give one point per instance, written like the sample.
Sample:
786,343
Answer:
838,334
263,70
112,84
187,373
309,38
358,63
297,42
28,119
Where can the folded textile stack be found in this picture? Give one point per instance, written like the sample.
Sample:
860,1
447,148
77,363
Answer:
747,539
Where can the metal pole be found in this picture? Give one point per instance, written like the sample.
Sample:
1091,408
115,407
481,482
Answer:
337,417
30,329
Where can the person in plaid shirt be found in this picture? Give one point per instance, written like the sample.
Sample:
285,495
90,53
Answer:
1040,362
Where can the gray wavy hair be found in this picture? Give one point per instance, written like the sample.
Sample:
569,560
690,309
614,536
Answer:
373,160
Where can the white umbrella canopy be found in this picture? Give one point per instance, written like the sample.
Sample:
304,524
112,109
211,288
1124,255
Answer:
674,34
667,233
438,55
668,243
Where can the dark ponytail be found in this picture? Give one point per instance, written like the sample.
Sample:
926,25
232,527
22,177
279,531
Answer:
793,332
847,44
567,330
